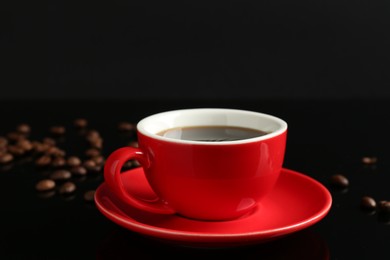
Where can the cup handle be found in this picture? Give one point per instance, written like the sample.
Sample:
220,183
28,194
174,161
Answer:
112,172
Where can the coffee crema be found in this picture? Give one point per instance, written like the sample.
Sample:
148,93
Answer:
211,133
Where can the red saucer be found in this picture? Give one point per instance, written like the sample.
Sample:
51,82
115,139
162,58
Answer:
297,202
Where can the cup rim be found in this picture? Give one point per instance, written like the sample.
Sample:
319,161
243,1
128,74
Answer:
141,126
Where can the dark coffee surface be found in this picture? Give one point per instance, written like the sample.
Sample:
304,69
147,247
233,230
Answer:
212,133
63,223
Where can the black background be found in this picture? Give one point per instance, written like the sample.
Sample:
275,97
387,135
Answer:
196,49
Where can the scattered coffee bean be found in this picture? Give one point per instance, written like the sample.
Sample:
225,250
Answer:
15,136
384,206
89,164
49,141
6,158
79,170
97,143
55,151
45,185
58,162
67,188
23,129
3,141
80,123
61,175
73,161
57,130
42,161
25,144
89,195
40,147
133,144
92,152
16,150
369,160
92,135
339,180
126,126
99,160
368,203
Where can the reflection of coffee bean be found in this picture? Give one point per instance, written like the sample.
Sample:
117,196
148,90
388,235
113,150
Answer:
6,158
61,175
339,180
368,203
89,195
67,188
45,185
384,206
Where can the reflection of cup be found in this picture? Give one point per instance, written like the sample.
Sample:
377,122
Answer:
303,245
208,180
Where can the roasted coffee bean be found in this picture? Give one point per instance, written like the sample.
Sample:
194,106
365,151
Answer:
126,126
58,162
3,141
80,123
91,166
79,171
6,158
42,161
40,147
57,130
97,143
367,203
15,136
92,152
16,150
384,206
23,129
61,175
45,185
136,163
3,149
339,180
55,151
99,160
67,188
133,144
25,144
369,160
89,195
49,141
92,135
73,161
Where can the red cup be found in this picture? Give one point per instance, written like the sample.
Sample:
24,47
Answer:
199,179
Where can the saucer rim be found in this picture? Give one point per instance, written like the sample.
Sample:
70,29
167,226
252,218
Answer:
179,234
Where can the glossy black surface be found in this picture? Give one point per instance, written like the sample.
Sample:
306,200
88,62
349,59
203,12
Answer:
325,137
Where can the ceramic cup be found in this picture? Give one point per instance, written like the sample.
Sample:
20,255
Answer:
198,179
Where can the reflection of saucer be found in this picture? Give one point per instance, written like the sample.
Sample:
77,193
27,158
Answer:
297,202
302,245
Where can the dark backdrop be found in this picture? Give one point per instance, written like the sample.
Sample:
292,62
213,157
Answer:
198,49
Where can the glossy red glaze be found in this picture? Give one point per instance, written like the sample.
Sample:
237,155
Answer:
212,182
296,202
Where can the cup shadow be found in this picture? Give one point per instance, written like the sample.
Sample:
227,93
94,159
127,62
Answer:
124,244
